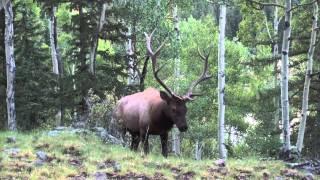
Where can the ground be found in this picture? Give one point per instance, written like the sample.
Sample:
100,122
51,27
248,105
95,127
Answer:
72,155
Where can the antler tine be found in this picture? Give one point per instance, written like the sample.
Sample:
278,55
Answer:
202,56
204,76
153,56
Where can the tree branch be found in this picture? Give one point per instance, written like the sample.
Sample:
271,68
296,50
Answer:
272,59
3,3
301,5
262,5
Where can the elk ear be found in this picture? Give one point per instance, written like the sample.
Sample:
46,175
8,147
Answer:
165,96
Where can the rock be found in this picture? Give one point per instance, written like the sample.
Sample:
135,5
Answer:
220,163
42,156
79,124
12,151
116,167
11,140
75,162
61,128
98,129
100,176
53,133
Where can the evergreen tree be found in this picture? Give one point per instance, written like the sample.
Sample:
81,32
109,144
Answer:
35,82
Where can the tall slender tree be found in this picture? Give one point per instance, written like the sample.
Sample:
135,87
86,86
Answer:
175,132
95,39
308,77
10,64
221,82
285,79
57,67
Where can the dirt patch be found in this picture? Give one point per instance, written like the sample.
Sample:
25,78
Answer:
186,175
75,162
213,171
13,177
259,168
19,167
292,173
42,146
106,164
72,150
130,175
242,174
20,156
158,176
81,176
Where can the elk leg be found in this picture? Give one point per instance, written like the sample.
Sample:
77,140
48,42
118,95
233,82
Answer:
135,141
164,144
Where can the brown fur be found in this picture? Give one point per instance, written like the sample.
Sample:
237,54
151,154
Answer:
150,112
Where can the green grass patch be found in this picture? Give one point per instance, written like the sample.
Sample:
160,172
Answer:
72,155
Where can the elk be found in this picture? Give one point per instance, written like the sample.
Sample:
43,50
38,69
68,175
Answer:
154,112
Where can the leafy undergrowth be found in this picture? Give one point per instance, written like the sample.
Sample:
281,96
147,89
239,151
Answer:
84,156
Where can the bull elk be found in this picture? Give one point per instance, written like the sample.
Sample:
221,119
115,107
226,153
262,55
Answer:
154,112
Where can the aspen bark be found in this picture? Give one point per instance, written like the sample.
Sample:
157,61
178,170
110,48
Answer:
95,40
285,78
56,61
175,131
308,78
3,3
198,150
221,83
53,42
133,75
10,65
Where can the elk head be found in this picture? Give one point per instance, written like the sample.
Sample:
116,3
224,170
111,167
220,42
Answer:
176,109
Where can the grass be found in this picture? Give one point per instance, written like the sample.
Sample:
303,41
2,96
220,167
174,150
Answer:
74,155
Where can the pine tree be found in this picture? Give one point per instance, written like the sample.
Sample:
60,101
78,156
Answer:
35,84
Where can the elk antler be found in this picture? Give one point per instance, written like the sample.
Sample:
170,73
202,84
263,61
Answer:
154,56
204,76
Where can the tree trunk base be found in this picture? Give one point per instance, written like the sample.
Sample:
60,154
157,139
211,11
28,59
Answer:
289,155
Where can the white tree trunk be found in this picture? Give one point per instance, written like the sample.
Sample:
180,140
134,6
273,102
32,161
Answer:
198,150
95,40
175,131
2,4
53,43
55,56
133,75
285,78
308,78
221,82
11,66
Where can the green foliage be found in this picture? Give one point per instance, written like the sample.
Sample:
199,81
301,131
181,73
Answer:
262,142
100,109
35,95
